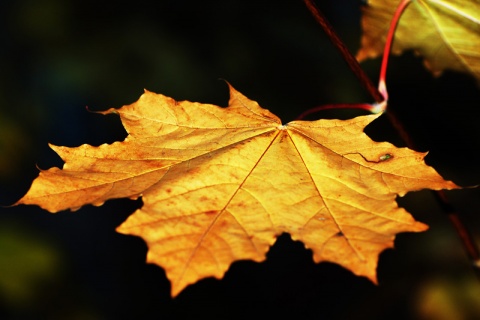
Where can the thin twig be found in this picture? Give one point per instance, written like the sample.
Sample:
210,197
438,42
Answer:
466,237
349,58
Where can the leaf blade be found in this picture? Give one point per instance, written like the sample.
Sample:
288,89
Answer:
221,189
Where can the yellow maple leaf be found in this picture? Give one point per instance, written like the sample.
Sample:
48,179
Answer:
445,32
220,184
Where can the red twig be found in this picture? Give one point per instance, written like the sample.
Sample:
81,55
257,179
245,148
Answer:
380,95
465,236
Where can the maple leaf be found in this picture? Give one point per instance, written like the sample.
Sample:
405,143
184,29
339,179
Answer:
220,184
445,32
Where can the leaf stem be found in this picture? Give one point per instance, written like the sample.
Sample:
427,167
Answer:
363,106
382,86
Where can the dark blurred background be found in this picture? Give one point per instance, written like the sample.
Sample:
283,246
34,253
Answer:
57,57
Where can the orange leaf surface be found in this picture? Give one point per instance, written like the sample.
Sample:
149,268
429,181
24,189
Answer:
220,184
445,32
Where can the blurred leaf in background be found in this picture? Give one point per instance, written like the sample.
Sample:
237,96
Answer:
28,265
445,299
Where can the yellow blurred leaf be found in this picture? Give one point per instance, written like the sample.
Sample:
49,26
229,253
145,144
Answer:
445,32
